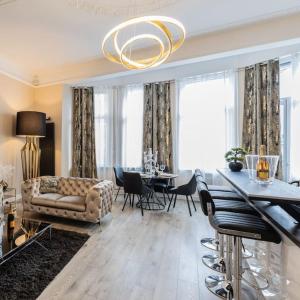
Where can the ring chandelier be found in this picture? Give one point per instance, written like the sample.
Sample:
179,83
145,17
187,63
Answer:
171,37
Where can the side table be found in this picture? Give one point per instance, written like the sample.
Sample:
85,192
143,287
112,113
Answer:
9,199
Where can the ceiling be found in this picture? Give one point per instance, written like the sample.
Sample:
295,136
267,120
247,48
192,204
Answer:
37,35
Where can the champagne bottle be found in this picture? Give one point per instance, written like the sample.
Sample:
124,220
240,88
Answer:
262,166
10,226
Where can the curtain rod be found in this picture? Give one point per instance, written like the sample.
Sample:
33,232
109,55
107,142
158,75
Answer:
158,82
260,63
81,87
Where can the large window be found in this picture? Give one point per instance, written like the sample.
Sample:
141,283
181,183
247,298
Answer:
285,116
205,106
132,127
118,127
290,116
103,128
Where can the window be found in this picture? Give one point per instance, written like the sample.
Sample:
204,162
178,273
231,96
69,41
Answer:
118,127
103,129
132,127
205,106
285,116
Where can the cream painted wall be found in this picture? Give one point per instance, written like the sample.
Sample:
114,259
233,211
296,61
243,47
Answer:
14,96
49,100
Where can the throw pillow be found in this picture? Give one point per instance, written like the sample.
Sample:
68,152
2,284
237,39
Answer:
48,184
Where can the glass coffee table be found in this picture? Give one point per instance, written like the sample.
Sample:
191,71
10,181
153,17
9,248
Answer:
18,233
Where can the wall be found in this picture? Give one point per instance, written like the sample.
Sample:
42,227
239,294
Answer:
49,100
14,96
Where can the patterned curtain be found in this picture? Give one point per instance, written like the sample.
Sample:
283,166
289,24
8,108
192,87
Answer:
84,153
157,121
261,125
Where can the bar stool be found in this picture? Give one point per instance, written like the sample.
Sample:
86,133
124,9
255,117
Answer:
237,226
222,193
215,188
214,261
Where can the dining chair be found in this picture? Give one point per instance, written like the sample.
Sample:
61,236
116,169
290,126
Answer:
186,190
133,185
119,179
295,182
162,185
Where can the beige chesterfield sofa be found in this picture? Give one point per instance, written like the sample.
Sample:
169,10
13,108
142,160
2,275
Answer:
74,198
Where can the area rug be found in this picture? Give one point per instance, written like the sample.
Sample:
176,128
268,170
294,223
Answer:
28,273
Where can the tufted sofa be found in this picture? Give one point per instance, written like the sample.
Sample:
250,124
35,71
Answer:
75,198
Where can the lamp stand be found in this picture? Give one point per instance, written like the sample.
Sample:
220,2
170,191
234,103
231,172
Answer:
30,156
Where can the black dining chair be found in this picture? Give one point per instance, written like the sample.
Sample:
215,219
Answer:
162,185
119,179
186,190
295,182
133,185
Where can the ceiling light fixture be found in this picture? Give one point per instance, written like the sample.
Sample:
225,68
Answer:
167,33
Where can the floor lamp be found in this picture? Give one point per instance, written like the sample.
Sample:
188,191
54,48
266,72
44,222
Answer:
32,125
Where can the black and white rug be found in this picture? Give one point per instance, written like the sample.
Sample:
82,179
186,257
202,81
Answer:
28,273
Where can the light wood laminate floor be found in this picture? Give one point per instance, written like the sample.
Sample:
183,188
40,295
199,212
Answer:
157,256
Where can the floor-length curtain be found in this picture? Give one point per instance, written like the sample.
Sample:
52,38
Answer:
83,125
157,121
261,122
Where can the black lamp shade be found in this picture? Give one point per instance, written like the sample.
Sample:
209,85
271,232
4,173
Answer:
31,123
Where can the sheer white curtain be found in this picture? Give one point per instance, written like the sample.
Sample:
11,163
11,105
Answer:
206,121
119,126
132,126
295,119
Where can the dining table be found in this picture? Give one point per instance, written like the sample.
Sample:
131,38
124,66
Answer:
154,202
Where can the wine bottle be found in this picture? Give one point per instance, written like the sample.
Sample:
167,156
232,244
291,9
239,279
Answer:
262,166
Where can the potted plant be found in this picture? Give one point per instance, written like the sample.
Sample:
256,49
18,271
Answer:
235,157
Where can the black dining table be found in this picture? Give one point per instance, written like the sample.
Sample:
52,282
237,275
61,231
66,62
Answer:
278,202
154,202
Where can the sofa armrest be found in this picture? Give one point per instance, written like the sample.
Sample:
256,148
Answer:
29,189
99,199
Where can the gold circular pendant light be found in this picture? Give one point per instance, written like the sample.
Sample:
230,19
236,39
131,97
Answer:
169,35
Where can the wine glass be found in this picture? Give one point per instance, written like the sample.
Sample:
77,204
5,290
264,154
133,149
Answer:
162,167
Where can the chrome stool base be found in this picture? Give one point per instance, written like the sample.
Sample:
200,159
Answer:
256,280
219,286
214,245
210,243
213,262
247,254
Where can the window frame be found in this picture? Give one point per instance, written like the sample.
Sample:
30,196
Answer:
286,104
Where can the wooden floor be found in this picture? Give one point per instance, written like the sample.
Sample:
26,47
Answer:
157,256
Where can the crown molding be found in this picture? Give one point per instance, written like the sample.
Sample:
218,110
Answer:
17,78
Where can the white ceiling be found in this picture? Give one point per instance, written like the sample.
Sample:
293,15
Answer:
37,35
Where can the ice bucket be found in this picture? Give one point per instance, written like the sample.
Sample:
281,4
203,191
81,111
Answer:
265,174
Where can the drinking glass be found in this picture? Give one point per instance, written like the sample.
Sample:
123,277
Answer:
162,167
251,161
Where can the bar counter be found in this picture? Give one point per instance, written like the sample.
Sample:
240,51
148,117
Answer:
278,204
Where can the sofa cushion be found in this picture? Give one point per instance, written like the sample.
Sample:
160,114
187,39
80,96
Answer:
48,184
75,186
76,203
48,199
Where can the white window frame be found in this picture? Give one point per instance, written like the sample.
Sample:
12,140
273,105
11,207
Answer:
285,104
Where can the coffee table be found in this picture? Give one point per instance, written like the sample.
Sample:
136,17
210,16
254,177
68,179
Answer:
24,233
